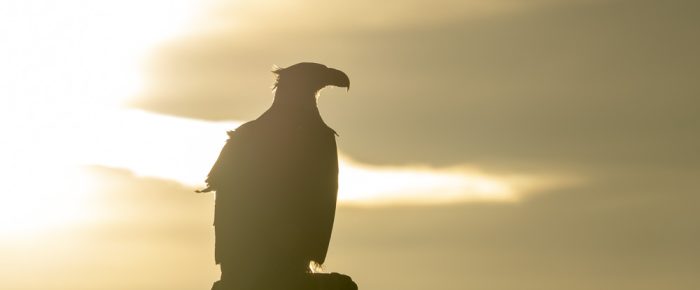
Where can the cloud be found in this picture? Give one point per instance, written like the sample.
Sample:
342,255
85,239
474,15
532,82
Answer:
588,87
367,185
183,150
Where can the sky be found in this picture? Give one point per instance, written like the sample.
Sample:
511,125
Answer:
500,144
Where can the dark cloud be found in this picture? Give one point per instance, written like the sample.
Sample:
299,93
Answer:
585,86
608,235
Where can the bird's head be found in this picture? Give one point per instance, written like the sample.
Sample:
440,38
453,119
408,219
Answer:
309,77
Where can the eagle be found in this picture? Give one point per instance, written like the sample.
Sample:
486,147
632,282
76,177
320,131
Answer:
276,184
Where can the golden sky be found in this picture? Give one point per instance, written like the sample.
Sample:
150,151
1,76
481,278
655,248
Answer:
498,144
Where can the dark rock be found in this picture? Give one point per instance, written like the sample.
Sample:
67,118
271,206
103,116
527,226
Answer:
333,281
316,281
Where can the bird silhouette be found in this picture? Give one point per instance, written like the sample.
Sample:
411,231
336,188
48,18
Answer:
276,183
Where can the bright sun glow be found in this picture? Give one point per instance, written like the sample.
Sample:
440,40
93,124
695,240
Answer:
59,60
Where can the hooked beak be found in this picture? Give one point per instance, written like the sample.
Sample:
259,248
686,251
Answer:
338,78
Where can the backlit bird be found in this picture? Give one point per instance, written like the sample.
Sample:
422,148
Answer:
276,182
